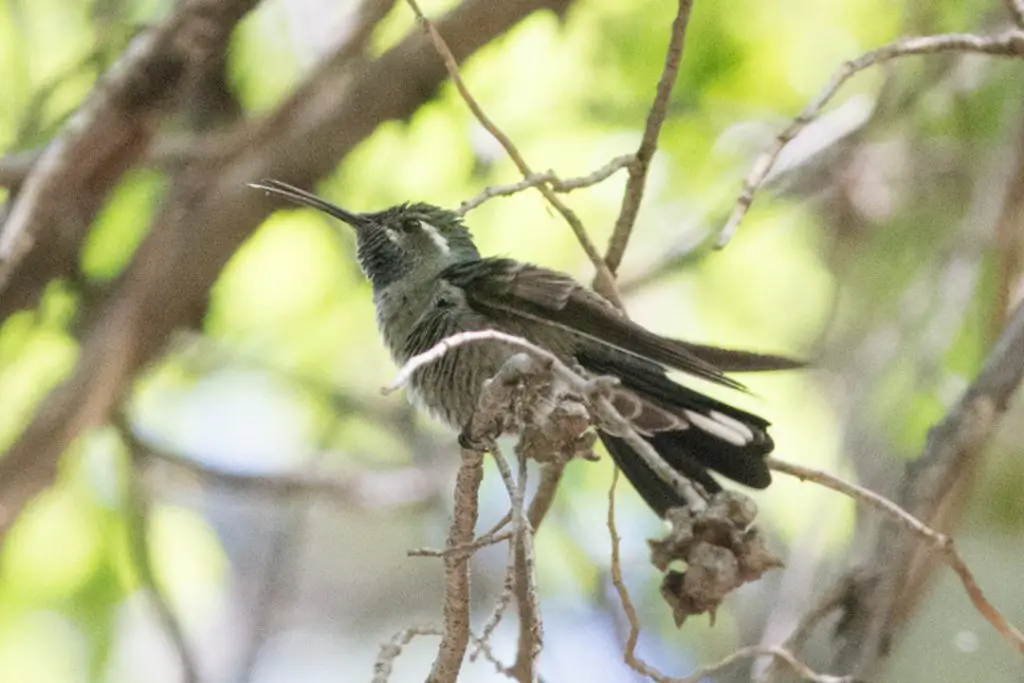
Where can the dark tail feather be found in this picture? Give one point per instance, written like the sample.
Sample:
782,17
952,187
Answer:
718,437
657,493
735,360
690,452
742,464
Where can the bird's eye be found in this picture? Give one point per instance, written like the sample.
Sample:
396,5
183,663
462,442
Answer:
409,224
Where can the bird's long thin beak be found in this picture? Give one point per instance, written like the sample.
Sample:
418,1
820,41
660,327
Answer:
304,198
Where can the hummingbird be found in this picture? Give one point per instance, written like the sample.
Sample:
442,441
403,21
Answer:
429,282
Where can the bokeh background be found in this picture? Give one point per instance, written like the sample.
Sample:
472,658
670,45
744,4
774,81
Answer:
283,490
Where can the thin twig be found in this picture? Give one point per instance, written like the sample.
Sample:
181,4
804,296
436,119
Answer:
550,477
168,153
482,542
827,604
390,650
603,274
406,485
1009,239
951,445
1007,44
137,513
488,193
531,629
111,130
484,648
645,669
777,653
276,576
508,587
549,178
649,143
499,525
436,352
456,590
1016,9
629,652
941,543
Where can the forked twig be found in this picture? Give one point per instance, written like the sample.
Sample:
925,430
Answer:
649,142
941,543
645,669
390,650
1007,44
603,274
548,178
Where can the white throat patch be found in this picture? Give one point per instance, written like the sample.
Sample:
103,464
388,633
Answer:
436,237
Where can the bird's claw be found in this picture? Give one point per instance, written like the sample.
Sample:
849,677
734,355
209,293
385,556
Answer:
474,442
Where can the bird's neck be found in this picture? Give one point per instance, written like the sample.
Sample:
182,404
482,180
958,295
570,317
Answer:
401,304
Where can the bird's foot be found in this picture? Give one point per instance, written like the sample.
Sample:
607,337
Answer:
470,440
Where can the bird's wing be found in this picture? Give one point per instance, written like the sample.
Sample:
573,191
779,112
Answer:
504,286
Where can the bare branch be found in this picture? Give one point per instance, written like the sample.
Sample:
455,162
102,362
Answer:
170,152
1016,9
649,143
401,486
594,177
482,542
940,542
390,650
859,493
827,604
629,653
137,529
551,476
531,628
508,588
645,669
519,578
484,648
1009,251
484,428
777,653
603,274
873,599
455,638
1007,44
549,178
108,134
488,193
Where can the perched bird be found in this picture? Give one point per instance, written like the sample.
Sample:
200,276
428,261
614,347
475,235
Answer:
430,282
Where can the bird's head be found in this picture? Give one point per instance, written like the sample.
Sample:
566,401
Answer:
395,242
